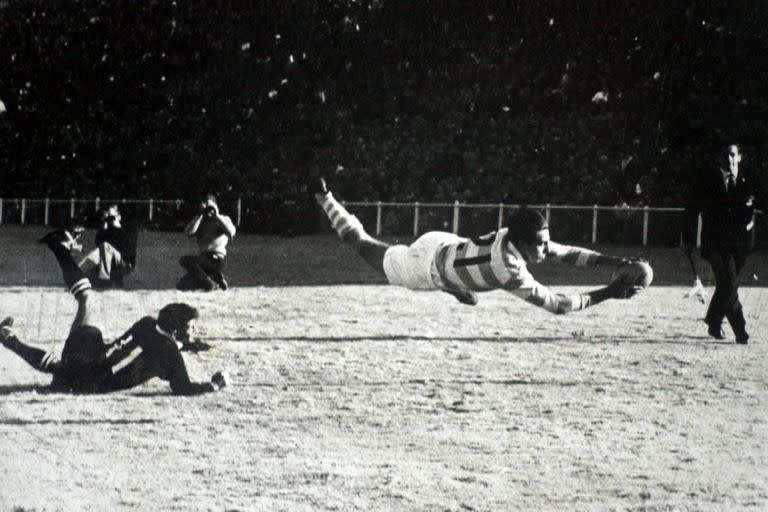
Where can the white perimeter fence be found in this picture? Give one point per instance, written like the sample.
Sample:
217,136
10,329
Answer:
571,223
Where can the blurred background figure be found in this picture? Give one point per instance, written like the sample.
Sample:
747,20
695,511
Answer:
114,256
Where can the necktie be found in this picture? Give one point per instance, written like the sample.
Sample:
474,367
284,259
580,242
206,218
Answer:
731,183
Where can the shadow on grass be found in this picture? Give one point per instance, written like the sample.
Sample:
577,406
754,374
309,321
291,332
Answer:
13,389
24,422
689,340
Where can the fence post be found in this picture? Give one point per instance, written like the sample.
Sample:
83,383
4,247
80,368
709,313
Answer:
378,218
239,210
698,231
594,224
416,218
46,211
645,225
96,205
546,213
456,217
1,210
151,207
71,207
501,216
178,204
23,210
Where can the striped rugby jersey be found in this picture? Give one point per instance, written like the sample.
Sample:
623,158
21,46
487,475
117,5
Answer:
492,262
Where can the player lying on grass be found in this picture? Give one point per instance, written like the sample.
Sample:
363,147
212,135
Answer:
87,365
499,260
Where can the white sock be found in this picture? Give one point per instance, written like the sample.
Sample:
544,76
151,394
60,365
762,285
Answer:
80,286
342,221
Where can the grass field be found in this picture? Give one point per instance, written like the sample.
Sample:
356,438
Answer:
349,395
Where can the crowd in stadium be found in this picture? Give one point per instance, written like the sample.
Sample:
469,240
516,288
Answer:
552,102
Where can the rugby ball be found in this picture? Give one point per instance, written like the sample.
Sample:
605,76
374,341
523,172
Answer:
634,273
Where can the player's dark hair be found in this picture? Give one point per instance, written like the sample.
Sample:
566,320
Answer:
176,315
523,224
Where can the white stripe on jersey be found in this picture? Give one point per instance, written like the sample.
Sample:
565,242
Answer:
474,270
126,360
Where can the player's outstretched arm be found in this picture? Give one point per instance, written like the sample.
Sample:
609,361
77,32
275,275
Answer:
559,303
180,382
580,256
615,290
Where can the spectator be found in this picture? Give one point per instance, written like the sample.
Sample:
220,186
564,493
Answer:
726,197
212,231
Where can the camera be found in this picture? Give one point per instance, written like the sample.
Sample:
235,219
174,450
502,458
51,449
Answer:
209,211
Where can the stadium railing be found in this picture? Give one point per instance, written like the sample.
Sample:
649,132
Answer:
629,225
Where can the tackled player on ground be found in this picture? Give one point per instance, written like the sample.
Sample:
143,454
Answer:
150,348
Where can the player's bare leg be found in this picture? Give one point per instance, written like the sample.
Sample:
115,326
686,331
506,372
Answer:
349,227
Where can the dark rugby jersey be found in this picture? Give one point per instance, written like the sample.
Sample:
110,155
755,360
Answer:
142,353
492,262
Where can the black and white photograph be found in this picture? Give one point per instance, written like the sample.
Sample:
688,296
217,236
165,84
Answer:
384,255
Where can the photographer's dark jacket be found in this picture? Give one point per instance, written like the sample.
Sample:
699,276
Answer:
123,239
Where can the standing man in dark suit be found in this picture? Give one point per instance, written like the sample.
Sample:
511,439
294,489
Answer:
725,196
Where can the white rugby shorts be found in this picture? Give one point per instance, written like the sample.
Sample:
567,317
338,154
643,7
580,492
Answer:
413,266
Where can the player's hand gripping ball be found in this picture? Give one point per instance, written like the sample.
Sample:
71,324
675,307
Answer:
632,277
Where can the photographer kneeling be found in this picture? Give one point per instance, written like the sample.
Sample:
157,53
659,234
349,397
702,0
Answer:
212,232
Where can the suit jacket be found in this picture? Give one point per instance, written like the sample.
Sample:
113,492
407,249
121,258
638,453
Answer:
727,217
